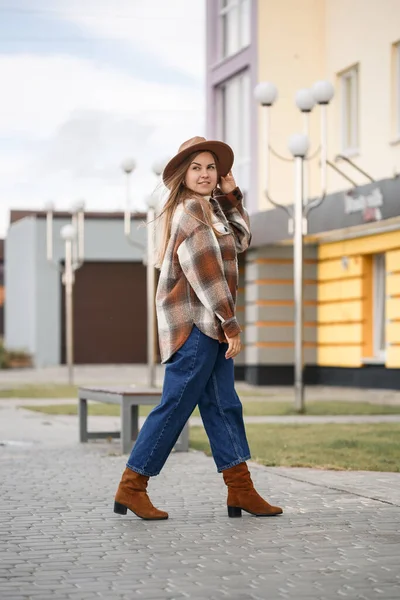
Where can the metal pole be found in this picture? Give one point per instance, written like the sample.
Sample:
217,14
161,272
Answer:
267,117
81,235
324,148
150,298
75,251
49,235
306,166
127,216
298,287
68,282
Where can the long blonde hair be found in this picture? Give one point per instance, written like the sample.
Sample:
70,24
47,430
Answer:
178,194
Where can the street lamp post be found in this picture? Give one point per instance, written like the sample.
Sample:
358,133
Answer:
305,103
128,166
68,234
77,219
322,92
148,259
151,291
73,236
298,146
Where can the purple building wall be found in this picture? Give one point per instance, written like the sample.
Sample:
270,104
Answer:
218,71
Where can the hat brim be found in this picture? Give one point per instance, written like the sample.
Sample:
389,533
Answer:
222,151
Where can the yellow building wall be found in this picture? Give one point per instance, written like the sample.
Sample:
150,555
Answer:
393,308
363,32
345,310
290,54
302,41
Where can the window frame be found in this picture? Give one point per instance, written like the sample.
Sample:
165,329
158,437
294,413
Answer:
379,307
223,11
350,141
241,162
396,91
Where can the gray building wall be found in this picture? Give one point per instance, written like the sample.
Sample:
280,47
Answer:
20,285
33,289
269,306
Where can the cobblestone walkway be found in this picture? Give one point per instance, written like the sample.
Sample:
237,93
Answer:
339,536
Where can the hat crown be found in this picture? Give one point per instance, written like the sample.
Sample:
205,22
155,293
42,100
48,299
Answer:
222,152
192,142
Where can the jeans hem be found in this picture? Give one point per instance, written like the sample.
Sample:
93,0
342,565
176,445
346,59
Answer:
234,463
223,416
141,471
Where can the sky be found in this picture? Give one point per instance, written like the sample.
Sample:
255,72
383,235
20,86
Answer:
86,84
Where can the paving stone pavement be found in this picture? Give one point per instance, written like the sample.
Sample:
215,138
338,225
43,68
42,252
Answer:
339,536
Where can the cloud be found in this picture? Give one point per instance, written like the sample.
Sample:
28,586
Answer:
172,30
151,39
91,143
39,93
66,125
67,122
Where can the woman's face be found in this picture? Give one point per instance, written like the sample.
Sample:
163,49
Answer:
202,176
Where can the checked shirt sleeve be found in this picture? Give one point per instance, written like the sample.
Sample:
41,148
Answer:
237,216
201,262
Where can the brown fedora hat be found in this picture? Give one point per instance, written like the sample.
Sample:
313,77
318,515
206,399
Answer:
222,151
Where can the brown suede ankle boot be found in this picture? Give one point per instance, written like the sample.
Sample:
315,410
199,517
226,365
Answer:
243,496
132,494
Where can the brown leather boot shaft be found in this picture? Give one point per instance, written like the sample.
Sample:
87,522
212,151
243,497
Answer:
238,477
242,495
132,494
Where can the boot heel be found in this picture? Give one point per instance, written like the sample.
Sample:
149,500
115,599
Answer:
120,509
233,511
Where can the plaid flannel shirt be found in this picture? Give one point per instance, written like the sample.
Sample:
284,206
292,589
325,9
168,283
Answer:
199,274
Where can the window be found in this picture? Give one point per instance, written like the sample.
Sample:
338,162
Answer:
233,125
396,90
234,26
379,312
349,115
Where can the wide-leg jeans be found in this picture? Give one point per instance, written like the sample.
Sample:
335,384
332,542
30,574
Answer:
197,374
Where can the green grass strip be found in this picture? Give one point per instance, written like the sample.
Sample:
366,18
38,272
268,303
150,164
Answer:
371,447
250,408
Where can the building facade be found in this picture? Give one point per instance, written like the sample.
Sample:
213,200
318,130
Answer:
352,272
110,307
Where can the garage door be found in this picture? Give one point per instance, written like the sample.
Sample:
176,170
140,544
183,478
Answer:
110,314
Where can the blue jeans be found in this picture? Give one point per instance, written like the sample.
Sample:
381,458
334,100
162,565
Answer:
197,373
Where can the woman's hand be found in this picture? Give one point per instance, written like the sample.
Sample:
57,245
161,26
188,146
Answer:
235,346
228,183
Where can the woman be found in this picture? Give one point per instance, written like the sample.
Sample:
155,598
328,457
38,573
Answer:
204,228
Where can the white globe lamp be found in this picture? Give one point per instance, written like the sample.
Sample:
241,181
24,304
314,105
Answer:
266,93
159,165
323,92
298,145
49,206
128,165
68,233
78,206
305,100
151,202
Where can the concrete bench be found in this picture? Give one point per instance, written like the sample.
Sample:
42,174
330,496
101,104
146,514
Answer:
129,399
